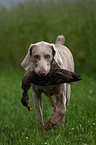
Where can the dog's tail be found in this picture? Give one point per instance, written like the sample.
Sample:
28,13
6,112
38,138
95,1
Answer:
60,40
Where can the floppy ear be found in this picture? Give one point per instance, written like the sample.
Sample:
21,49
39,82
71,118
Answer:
26,63
56,55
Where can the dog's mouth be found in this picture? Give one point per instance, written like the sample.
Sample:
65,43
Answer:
41,74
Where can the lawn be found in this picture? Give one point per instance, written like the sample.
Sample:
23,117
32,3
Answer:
18,125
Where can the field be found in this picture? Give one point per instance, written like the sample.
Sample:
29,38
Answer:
18,125
31,22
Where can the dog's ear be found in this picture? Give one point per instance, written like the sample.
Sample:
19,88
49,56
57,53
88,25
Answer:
30,49
53,49
56,55
26,63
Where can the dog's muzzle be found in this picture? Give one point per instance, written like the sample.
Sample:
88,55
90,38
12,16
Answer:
42,72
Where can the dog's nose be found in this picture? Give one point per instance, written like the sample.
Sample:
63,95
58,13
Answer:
42,72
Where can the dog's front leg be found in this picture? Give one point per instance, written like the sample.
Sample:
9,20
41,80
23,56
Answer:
53,103
61,101
58,117
38,106
53,121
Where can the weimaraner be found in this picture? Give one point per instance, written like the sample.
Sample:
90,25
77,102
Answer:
40,58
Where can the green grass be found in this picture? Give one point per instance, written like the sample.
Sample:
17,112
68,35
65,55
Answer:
18,126
32,22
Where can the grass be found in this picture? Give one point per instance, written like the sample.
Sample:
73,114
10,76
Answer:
18,125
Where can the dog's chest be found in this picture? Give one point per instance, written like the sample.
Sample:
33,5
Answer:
47,90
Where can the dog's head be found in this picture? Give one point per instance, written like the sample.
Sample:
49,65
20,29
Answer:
39,57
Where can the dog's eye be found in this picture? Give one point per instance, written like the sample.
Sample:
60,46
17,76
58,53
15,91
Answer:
47,56
36,57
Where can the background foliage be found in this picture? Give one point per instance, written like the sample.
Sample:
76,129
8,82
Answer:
35,21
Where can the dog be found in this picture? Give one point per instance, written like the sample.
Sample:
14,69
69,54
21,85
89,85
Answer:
40,57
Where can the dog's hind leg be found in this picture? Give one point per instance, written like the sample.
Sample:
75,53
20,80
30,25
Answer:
68,91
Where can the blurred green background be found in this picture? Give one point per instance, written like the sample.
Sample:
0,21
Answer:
33,21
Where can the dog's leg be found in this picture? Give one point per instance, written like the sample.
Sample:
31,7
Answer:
53,103
61,101
38,106
58,116
68,89
53,121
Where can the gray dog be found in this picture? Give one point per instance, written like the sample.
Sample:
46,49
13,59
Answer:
40,57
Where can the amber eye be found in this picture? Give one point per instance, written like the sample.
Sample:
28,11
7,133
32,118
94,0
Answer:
47,56
36,57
